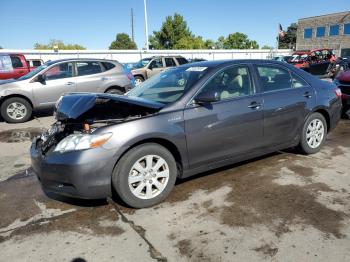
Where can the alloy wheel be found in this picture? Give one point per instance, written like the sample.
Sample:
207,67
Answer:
16,110
148,177
315,133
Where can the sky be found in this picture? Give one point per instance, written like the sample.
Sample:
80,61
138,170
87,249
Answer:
94,24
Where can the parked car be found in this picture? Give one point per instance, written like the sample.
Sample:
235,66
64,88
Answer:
151,66
194,60
34,63
42,87
343,82
184,121
315,61
13,66
283,58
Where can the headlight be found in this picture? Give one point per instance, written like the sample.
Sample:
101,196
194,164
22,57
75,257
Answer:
82,141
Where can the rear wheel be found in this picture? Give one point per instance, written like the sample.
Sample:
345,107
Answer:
145,175
114,91
138,80
313,134
16,110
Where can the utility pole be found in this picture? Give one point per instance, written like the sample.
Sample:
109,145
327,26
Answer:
146,25
132,25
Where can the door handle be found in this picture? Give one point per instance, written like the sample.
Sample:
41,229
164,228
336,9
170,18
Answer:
104,78
69,83
307,95
254,105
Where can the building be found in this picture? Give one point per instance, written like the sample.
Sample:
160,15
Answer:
325,31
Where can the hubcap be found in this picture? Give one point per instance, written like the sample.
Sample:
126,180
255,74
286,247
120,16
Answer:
138,81
148,176
315,133
16,110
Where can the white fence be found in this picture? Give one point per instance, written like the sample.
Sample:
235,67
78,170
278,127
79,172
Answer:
125,56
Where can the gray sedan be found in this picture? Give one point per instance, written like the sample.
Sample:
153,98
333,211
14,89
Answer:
42,87
181,122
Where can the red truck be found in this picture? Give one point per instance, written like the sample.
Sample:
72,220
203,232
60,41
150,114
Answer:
15,66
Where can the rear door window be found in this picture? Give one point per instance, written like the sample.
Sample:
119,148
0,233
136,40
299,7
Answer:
274,78
181,60
169,62
16,62
88,68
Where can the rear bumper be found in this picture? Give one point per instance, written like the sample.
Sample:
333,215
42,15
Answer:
81,174
335,113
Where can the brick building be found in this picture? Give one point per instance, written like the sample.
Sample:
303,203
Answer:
325,31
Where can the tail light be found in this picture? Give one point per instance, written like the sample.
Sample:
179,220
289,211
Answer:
337,92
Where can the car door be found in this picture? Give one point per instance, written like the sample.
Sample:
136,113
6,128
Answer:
57,80
19,65
230,127
89,76
287,99
155,67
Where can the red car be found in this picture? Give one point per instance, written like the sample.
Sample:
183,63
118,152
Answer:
315,61
13,66
343,82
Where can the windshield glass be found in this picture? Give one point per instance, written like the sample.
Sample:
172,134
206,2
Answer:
35,71
170,85
143,62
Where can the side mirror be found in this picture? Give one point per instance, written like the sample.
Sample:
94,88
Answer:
207,97
41,79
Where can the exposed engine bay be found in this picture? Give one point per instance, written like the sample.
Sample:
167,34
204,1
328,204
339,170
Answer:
84,113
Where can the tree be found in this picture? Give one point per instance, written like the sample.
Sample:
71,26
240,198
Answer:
190,42
172,30
209,44
290,38
266,47
59,43
1,47
253,44
123,41
237,41
220,43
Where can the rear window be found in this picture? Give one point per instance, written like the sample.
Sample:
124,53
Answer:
88,68
181,60
169,62
36,63
5,64
16,62
108,66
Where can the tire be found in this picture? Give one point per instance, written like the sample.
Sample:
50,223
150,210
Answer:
23,107
315,128
144,192
138,80
115,91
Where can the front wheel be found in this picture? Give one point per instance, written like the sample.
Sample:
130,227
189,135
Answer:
16,110
138,80
114,91
145,175
313,134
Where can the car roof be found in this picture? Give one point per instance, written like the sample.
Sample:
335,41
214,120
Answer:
215,63
82,59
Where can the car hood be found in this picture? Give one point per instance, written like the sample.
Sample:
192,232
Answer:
90,106
344,76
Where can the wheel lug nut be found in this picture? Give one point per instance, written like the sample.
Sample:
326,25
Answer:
150,181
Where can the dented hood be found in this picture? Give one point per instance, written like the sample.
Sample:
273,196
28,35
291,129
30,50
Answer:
73,105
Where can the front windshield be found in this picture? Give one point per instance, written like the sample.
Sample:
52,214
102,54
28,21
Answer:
170,85
142,63
35,71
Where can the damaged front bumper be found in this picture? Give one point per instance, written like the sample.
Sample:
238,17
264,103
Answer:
81,174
